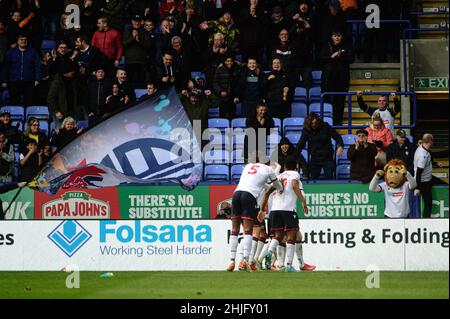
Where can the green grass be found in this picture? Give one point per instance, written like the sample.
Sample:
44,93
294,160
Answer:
223,285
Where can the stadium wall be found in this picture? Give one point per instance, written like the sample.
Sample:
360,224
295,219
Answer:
110,245
205,202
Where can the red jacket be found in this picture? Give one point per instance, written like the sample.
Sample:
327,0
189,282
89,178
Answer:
109,43
164,8
383,134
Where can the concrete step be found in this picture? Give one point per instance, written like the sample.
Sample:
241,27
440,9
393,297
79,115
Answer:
372,71
393,82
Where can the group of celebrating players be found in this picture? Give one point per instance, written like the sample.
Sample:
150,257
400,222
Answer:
263,190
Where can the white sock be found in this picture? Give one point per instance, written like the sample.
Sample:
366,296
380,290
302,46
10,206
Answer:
290,251
273,245
263,252
299,253
253,251
248,239
259,248
281,252
234,241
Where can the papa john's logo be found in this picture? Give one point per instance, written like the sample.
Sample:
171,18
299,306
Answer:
69,236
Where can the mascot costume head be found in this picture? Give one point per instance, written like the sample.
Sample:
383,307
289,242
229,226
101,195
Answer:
394,173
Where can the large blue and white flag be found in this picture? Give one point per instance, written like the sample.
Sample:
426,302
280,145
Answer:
152,141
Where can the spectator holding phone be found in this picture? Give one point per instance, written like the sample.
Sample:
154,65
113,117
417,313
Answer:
380,135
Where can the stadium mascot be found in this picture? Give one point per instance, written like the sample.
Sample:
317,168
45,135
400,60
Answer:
397,186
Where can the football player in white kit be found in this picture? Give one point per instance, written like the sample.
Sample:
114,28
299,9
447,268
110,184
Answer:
245,207
283,218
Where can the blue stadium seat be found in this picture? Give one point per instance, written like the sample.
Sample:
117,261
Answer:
216,157
219,123
217,131
39,112
44,126
238,138
299,110
17,112
410,138
300,95
239,123
328,120
349,139
122,62
237,156
236,172
213,112
343,160
293,137
327,109
343,172
139,93
83,124
293,124
239,109
277,123
19,124
216,173
316,78
16,166
305,155
314,94
273,140
4,97
48,45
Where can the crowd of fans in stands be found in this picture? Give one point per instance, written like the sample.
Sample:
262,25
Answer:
248,50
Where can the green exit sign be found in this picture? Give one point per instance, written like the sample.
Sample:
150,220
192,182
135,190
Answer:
431,83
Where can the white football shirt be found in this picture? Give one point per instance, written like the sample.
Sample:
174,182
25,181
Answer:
254,179
287,200
387,118
396,200
422,159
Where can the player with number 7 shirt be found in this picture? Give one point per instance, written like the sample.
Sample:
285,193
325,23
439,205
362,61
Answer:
283,219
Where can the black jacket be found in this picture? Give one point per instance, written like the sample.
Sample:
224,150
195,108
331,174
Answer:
249,85
65,137
319,142
303,165
254,28
336,72
402,152
43,141
92,59
11,132
253,123
96,94
273,89
127,89
137,52
226,79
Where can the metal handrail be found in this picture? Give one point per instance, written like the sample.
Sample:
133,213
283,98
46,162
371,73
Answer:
429,13
350,127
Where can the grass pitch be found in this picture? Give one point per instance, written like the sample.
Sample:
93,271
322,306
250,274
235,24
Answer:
223,285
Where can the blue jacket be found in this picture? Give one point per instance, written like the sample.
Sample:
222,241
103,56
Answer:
21,66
